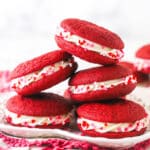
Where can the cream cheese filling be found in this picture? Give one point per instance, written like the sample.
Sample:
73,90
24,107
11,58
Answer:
23,81
104,127
142,63
101,85
88,45
32,121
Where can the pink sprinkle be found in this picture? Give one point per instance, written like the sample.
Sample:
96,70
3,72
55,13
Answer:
18,115
126,129
19,82
85,124
36,73
60,33
102,86
119,129
50,118
34,78
106,124
87,88
101,128
138,123
81,42
103,47
111,54
45,124
33,121
142,124
93,125
9,119
43,75
14,86
26,124
58,117
111,85
130,125
92,45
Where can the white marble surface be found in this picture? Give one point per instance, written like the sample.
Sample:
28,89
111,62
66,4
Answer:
27,27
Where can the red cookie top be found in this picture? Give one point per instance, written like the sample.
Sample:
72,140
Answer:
143,52
99,74
92,32
113,111
38,63
43,104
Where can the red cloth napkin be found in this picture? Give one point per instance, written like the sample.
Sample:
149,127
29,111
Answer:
4,81
59,144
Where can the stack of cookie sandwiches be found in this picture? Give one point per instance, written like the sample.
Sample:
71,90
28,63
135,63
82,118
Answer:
98,93
32,108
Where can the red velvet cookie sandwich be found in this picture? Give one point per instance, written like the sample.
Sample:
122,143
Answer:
140,76
44,110
101,83
42,72
143,59
112,119
89,41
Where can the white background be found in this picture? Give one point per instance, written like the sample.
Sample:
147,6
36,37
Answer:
27,27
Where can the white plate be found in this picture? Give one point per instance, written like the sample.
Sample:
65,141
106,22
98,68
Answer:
36,133
43,133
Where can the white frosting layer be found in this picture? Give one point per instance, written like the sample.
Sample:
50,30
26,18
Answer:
89,45
142,64
32,121
102,85
104,127
23,81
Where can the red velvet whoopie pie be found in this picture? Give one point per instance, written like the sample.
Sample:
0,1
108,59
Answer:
89,41
42,72
142,62
100,83
116,118
43,110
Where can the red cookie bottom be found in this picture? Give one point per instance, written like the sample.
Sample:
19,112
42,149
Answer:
47,82
110,93
112,134
85,54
